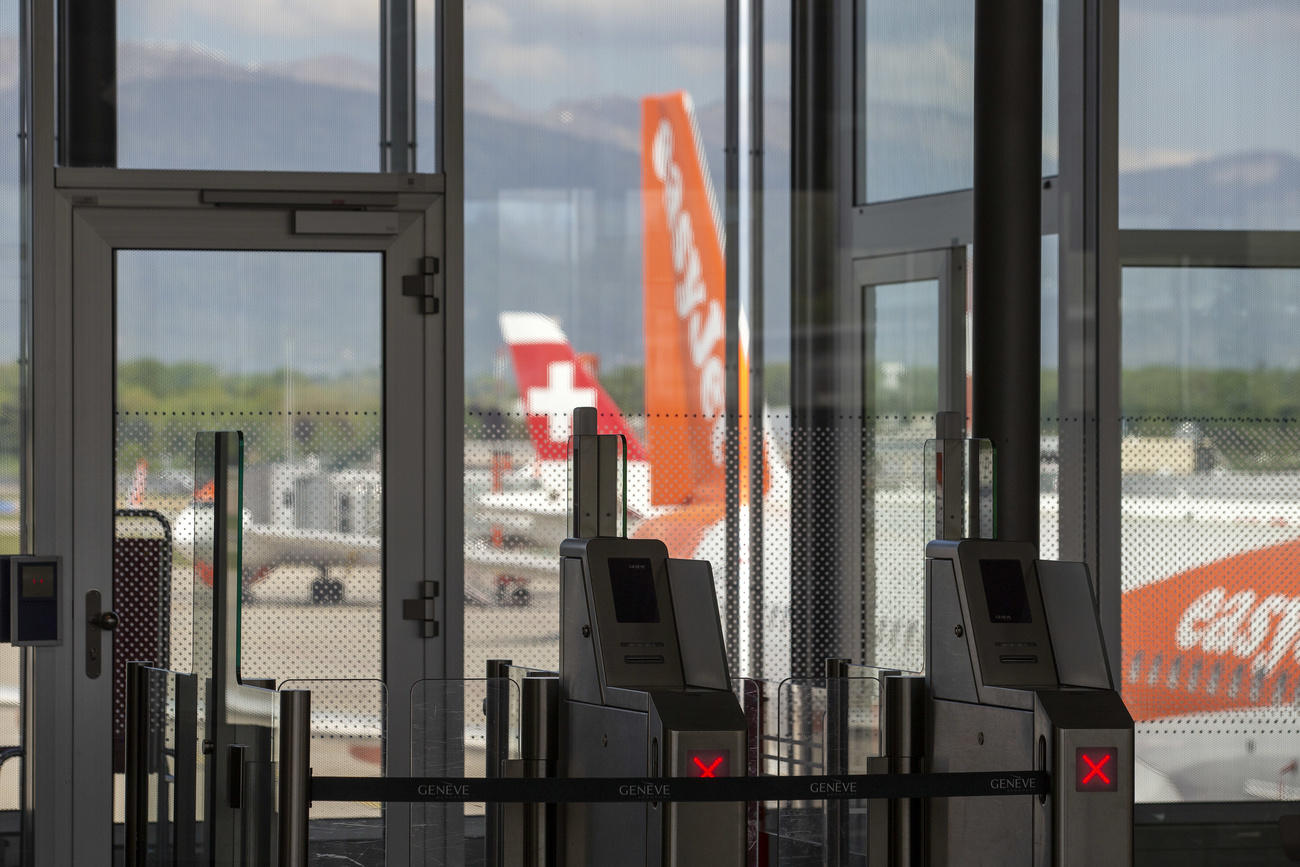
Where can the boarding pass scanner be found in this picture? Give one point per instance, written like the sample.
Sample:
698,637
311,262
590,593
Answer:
1017,676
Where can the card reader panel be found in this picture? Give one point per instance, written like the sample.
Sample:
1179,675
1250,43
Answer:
1007,624
34,593
631,602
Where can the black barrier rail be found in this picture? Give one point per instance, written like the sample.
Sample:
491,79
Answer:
599,789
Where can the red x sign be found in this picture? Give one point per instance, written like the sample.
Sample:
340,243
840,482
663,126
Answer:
708,763
1095,769
707,770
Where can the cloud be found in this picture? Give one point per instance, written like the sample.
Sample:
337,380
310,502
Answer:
228,25
1137,159
934,75
485,18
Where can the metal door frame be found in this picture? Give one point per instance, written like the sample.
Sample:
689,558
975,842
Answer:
99,211
947,267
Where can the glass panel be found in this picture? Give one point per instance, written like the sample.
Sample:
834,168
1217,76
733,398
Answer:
1209,126
348,739
1211,531
11,317
426,85
555,126
960,470
826,726
901,369
290,85
296,365
168,765
449,738
917,125
238,719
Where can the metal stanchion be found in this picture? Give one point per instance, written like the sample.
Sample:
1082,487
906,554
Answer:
837,758
541,700
295,775
137,739
904,746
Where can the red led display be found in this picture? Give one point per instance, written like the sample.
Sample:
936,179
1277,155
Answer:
708,763
1096,769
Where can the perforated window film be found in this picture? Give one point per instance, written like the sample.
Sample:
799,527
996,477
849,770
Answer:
773,611
285,347
1211,529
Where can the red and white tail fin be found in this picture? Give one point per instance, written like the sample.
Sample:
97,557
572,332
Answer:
552,380
685,311
140,484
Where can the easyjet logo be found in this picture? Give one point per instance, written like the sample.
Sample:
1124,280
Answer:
1243,625
704,322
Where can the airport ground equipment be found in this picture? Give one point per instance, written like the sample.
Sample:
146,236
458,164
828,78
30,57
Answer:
1017,676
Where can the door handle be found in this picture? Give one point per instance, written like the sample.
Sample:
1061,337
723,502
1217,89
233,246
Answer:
98,622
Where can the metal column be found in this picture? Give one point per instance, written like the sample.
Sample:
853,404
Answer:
1006,308
295,775
817,614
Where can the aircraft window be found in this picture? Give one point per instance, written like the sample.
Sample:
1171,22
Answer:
1279,689
1194,677
1256,682
1216,674
1135,667
1175,668
1154,674
1234,686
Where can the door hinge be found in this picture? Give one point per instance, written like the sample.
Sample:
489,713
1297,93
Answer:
422,286
422,609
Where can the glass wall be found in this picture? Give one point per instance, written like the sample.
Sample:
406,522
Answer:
11,315
572,113
917,94
284,85
592,138
1209,155
1209,122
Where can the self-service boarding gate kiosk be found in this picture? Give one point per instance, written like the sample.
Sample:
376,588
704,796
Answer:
644,688
1017,677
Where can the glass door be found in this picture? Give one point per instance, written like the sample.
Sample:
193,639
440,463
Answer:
913,367
289,324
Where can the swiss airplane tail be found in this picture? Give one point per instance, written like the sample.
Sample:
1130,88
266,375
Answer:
685,312
552,381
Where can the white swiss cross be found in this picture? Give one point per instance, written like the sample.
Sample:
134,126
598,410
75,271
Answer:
558,399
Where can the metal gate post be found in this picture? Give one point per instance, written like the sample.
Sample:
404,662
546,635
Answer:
295,775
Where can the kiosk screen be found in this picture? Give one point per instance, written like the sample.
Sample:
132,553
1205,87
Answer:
633,581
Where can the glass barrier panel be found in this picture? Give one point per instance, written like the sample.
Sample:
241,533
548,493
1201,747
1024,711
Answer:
799,752
252,723
450,738
826,726
959,488
348,739
237,721
168,787
204,553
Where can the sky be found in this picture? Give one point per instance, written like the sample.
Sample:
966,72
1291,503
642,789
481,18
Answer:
1200,78
1237,55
